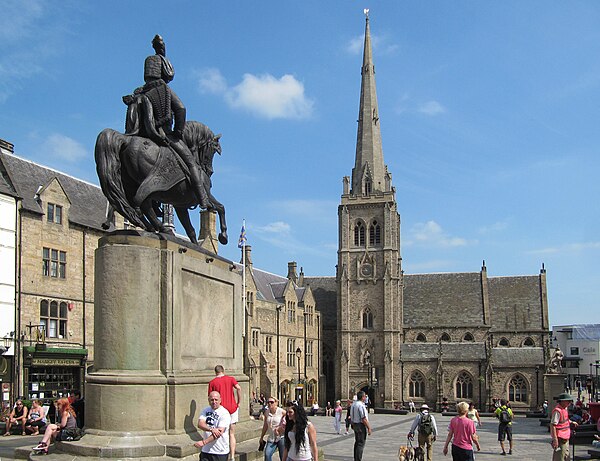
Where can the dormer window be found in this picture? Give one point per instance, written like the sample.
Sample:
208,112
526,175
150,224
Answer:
55,213
367,187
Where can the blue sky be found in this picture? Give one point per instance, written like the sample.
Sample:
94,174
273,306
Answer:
490,120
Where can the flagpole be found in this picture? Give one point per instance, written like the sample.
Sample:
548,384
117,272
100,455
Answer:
244,279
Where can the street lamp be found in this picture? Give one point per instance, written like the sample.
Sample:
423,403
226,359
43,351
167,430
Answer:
368,363
298,355
537,387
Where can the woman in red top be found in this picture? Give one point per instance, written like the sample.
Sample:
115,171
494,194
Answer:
463,435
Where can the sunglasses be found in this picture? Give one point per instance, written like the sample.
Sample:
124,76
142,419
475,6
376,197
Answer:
271,401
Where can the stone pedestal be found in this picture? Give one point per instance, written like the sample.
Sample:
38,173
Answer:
165,314
554,384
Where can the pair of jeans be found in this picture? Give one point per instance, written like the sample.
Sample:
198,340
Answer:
270,448
360,438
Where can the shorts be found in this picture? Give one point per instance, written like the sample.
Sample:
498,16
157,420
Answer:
504,431
235,416
461,454
213,457
38,423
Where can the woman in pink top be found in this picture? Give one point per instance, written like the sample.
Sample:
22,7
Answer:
462,433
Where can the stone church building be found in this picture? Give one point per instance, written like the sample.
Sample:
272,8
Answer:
421,337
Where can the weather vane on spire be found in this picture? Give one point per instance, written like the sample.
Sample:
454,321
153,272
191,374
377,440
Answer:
366,11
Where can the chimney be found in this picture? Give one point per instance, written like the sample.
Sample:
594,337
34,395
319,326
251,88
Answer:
6,147
301,277
248,253
292,271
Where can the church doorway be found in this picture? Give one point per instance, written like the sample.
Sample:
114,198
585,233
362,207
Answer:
370,394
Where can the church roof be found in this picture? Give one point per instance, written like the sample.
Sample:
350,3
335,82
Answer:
515,302
450,351
446,299
88,204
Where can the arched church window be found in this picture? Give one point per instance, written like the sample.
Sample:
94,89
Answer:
367,319
468,337
421,338
517,389
464,386
359,234
416,385
445,337
374,234
503,342
528,342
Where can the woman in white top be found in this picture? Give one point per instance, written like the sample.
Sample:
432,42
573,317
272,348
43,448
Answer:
473,415
300,436
273,415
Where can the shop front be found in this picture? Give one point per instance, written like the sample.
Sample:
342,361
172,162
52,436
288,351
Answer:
52,373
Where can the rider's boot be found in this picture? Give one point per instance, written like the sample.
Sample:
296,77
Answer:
198,188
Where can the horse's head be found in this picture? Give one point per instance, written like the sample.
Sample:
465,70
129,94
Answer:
202,142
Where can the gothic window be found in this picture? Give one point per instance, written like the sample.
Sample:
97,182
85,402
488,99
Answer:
367,319
445,337
528,342
291,352
503,342
367,187
359,234
421,338
416,385
464,386
517,389
53,318
374,234
468,337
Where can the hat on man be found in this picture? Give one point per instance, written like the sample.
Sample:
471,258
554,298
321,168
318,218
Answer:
564,396
424,407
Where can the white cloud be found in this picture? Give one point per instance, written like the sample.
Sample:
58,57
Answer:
494,227
568,248
263,95
64,148
432,108
211,81
432,234
277,227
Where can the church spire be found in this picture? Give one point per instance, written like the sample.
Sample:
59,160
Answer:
369,173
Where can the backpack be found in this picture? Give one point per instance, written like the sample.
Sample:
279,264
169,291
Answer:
426,425
504,417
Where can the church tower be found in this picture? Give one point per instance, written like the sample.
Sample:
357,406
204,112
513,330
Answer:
369,271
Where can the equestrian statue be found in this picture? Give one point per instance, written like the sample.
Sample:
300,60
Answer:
161,158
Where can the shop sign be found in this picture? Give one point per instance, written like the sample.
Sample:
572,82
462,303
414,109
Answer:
55,362
589,350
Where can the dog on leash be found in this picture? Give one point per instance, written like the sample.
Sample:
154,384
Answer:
419,454
406,453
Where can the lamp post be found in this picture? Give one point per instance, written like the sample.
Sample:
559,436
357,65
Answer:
298,355
278,311
537,387
369,369
596,365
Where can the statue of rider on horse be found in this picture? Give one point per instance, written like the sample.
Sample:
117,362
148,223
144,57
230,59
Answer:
154,161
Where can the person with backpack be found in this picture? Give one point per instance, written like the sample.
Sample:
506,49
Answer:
425,424
505,417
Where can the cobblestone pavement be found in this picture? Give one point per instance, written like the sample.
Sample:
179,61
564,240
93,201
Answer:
531,441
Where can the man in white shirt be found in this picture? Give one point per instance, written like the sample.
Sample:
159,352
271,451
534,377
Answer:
214,421
359,417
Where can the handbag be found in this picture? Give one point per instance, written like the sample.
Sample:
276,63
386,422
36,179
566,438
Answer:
261,445
70,434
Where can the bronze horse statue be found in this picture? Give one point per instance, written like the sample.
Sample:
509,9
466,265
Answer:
135,172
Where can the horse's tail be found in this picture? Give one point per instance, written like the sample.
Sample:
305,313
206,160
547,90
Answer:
108,166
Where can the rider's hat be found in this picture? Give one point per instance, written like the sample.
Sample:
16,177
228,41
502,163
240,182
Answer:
564,396
152,68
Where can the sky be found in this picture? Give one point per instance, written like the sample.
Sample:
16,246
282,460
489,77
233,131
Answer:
489,114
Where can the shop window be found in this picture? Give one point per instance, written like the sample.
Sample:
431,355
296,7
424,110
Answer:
416,385
53,318
54,263
464,386
55,213
574,351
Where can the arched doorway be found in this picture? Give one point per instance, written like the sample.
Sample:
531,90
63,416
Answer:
370,394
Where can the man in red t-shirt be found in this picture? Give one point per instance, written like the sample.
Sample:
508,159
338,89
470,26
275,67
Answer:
225,385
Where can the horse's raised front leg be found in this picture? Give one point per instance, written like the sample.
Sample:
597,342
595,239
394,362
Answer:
184,218
220,209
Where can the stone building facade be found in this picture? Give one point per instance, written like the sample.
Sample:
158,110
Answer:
57,226
283,335
421,337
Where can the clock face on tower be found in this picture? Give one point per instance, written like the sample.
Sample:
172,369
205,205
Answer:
366,270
